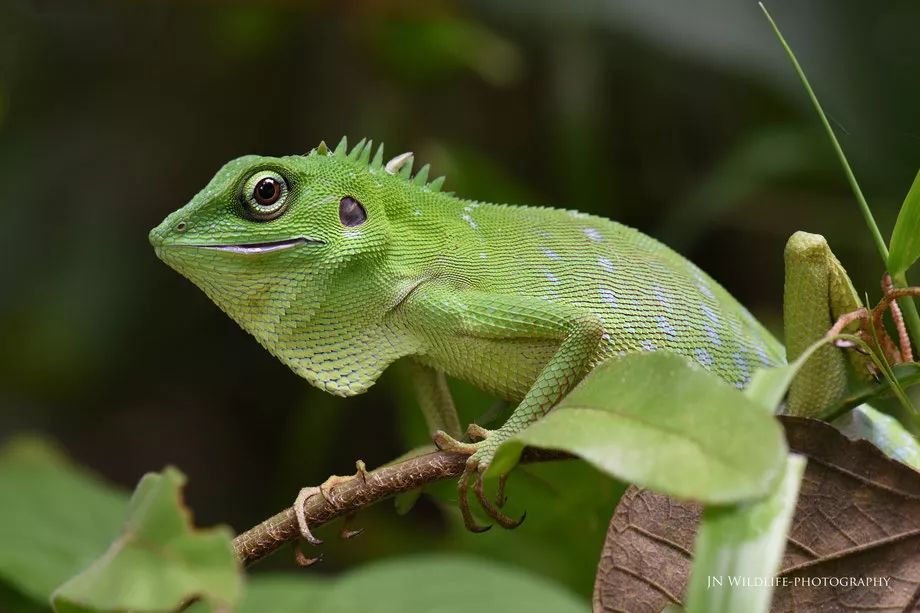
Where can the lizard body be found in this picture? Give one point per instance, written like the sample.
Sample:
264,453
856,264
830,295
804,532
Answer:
447,280
561,266
340,264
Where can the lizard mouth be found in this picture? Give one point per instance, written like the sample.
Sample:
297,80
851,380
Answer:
264,247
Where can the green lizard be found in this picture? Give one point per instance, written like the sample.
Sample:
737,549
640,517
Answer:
340,264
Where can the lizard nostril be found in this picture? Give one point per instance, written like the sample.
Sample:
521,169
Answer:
181,226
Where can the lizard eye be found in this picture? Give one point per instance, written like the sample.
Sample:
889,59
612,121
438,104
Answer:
265,195
351,212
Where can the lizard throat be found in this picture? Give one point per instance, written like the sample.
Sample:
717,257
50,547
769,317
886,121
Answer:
266,247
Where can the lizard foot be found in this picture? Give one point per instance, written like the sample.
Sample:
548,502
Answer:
480,456
445,442
324,490
477,432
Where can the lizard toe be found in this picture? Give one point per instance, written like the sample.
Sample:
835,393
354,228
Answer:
463,498
492,510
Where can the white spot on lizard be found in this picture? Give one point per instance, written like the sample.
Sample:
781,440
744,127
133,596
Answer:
743,367
660,296
710,314
593,235
665,326
551,254
762,355
703,357
605,264
712,334
608,296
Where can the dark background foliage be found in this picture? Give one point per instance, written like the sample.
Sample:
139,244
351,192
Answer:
683,119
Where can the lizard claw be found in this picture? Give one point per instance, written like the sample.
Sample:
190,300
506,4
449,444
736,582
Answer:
346,533
301,514
505,521
324,490
446,442
464,500
302,560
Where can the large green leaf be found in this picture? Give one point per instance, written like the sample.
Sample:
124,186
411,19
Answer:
54,520
904,248
159,561
654,420
438,583
744,542
281,592
12,601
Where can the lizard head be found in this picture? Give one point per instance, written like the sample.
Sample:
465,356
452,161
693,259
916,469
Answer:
269,239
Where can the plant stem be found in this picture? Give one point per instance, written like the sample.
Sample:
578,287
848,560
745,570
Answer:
907,304
854,185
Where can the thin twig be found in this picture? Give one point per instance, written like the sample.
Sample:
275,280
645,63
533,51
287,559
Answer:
355,494
898,318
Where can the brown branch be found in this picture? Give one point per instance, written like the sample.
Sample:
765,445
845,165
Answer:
349,496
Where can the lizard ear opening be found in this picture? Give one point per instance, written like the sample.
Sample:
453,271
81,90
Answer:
351,212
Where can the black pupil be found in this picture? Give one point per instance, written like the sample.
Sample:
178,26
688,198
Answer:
267,191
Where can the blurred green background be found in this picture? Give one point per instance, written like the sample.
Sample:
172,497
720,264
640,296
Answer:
682,119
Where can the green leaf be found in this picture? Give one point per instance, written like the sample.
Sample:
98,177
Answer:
743,542
437,583
55,518
12,601
883,431
769,385
282,592
654,420
904,248
159,561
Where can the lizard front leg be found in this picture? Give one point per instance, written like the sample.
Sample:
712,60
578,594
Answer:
434,399
471,315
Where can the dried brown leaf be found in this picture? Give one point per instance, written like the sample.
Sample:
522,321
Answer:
858,517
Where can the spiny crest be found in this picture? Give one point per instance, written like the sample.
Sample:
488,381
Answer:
401,165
